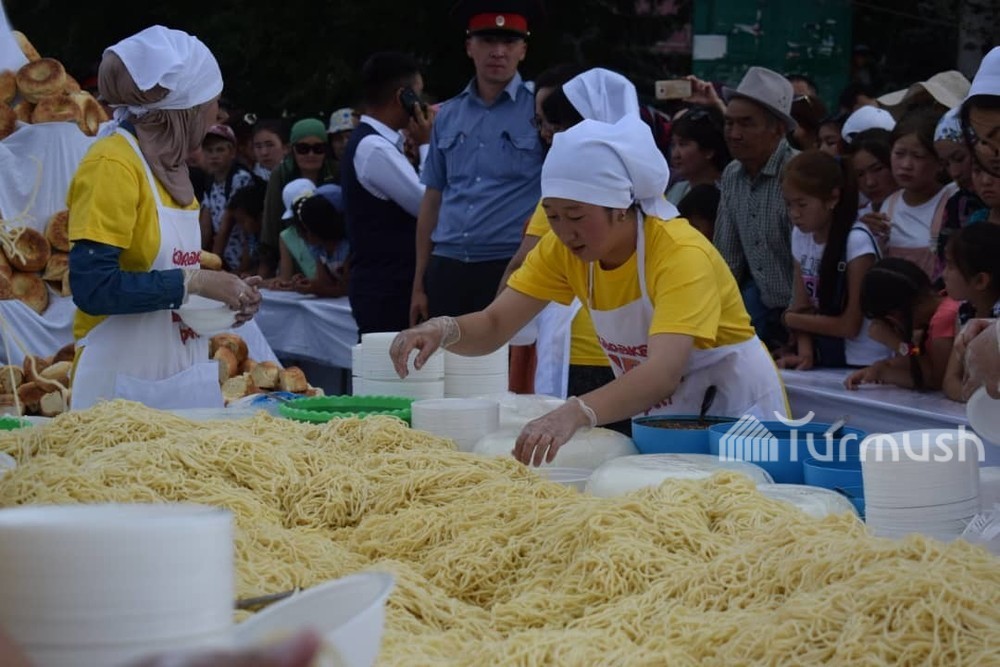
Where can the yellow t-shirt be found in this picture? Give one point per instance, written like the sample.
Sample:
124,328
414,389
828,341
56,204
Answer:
110,202
691,287
584,350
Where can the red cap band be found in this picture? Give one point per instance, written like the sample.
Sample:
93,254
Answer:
511,22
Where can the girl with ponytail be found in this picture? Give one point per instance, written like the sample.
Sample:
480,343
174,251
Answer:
832,253
910,317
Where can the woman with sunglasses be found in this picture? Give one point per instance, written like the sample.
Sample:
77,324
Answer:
310,158
698,152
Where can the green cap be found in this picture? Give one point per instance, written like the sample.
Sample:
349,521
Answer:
309,127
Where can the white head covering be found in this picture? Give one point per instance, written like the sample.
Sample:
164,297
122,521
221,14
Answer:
867,118
613,165
949,128
300,188
600,94
174,60
987,79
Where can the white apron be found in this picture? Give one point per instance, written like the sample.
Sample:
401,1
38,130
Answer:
745,377
152,358
555,325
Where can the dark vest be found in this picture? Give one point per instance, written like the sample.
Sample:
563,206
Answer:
382,233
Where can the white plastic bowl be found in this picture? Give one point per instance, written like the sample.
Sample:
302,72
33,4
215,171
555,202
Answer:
984,415
206,316
7,462
349,613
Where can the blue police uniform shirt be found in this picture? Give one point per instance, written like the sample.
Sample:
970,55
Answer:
487,163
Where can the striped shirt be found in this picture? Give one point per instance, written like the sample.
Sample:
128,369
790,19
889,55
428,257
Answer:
752,230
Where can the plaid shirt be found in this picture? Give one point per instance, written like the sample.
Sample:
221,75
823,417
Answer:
752,230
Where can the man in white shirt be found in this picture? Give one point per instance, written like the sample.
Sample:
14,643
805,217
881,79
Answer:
382,192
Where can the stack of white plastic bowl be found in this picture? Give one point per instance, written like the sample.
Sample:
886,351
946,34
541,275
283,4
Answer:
989,487
381,379
464,420
469,377
357,371
103,585
920,482
348,613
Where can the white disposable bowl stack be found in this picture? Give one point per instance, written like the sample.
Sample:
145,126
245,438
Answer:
357,371
989,487
469,377
379,378
923,481
464,420
106,584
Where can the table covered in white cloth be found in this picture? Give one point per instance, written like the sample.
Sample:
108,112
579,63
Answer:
45,334
873,408
304,327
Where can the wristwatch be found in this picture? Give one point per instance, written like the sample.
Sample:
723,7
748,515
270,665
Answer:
908,349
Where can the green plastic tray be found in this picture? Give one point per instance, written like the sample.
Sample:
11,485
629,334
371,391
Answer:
321,409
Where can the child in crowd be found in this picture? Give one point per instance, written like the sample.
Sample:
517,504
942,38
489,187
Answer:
909,316
270,146
829,139
316,244
916,212
700,206
246,209
832,252
949,144
987,187
226,178
870,154
972,276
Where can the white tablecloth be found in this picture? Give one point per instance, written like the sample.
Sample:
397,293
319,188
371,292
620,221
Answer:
304,327
45,334
873,408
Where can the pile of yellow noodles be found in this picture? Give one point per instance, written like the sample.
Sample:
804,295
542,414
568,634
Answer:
496,566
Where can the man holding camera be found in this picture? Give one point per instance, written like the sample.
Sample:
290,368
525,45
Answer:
382,192
483,171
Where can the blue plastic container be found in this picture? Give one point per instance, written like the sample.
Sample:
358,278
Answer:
835,474
674,434
779,449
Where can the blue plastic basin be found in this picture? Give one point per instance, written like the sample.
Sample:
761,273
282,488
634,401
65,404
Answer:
781,450
656,435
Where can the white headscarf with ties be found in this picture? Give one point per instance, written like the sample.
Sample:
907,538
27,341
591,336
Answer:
614,165
600,94
174,60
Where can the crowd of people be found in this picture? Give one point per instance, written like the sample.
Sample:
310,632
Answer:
852,236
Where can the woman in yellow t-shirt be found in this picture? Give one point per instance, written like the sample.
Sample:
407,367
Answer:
666,308
133,221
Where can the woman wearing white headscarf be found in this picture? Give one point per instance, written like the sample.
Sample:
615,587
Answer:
133,219
665,306
569,360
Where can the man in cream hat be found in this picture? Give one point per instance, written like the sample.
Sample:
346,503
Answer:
752,230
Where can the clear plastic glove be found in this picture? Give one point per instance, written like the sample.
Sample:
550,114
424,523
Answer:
299,651
427,338
251,304
982,357
541,438
220,286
